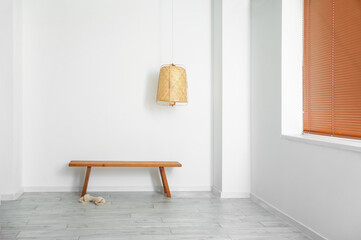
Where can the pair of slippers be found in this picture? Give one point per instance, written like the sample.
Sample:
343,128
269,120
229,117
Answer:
96,200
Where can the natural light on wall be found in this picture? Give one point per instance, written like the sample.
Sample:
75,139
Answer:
292,58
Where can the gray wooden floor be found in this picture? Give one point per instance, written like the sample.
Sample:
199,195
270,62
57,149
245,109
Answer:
141,215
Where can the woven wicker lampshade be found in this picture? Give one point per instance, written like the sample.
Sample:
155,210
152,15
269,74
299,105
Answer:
172,85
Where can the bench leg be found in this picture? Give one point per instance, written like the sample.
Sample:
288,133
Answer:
86,180
160,170
165,182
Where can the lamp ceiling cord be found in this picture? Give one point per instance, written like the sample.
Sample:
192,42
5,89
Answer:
172,33
172,83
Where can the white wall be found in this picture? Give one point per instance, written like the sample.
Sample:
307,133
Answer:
231,98
6,77
217,93
90,70
236,98
17,106
10,78
316,185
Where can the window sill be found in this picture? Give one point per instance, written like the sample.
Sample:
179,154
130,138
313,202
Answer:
333,142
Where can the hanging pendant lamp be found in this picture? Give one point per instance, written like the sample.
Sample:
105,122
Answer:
172,83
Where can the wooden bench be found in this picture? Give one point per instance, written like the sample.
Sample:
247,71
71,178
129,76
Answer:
90,164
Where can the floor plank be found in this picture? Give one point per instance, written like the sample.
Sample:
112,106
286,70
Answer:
141,216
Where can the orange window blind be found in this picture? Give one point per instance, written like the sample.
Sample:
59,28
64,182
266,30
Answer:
332,67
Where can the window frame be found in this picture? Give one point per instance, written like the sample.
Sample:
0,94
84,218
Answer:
292,83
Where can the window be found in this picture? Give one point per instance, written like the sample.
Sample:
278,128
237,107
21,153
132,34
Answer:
332,67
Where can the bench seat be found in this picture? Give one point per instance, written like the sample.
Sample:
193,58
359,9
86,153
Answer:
81,163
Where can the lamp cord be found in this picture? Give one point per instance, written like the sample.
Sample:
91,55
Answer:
172,33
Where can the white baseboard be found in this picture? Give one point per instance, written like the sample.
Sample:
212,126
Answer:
222,194
118,189
306,230
191,189
11,196
235,195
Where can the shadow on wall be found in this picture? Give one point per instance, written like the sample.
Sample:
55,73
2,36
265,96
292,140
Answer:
151,91
156,180
78,175
128,173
